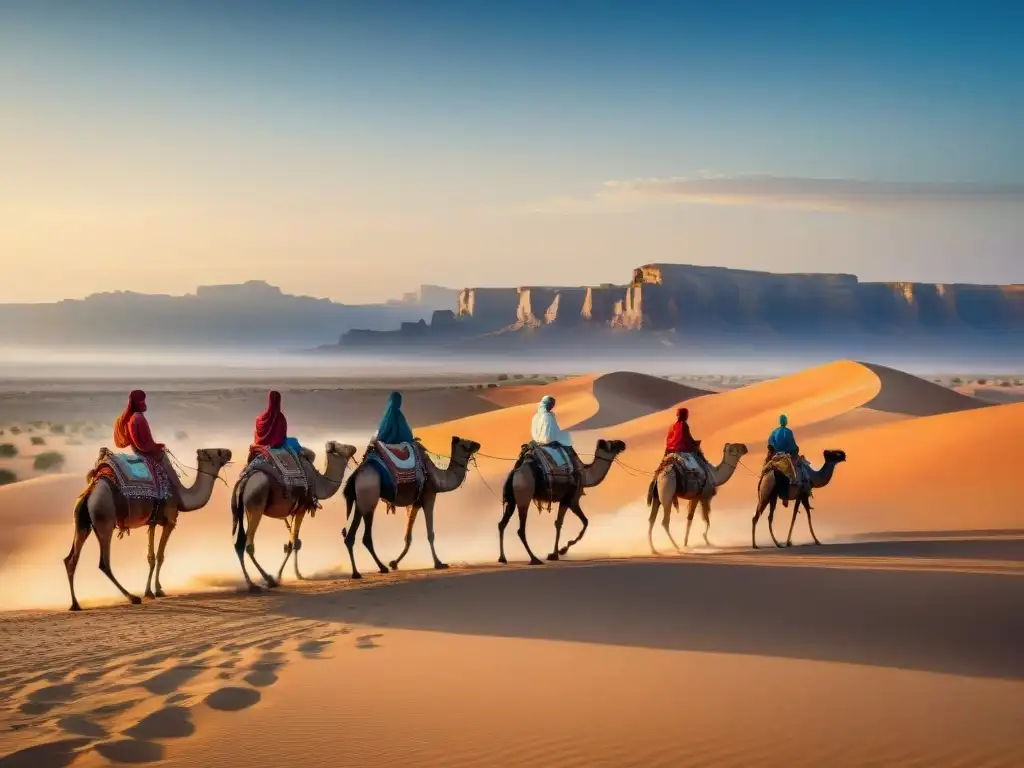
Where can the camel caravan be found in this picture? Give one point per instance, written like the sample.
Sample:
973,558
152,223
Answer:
142,489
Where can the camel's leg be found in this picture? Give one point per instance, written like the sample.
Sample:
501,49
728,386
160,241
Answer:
763,500
410,521
506,515
691,508
105,534
151,559
368,542
524,512
576,510
771,520
293,545
792,522
165,533
559,519
705,511
240,540
350,539
250,548
810,525
428,518
655,507
82,532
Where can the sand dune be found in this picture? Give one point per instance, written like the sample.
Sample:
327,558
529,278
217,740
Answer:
902,393
626,396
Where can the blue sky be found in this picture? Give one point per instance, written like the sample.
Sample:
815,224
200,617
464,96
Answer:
164,145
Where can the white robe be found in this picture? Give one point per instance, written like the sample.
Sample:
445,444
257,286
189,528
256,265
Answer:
545,429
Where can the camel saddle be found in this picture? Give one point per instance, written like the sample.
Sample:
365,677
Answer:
689,467
290,472
795,470
555,464
137,478
403,468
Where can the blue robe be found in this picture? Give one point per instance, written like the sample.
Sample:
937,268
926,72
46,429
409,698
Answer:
393,427
783,441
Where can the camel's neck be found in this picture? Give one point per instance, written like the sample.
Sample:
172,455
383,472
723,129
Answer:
822,477
198,494
327,484
449,479
724,471
596,471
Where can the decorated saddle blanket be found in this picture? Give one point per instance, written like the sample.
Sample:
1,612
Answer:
136,477
403,467
690,469
554,461
794,470
290,471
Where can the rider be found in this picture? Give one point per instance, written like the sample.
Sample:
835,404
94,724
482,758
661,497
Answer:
545,431
680,440
782,441
131,430
393,428
272,429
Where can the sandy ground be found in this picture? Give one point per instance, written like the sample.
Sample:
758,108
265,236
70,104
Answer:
897,643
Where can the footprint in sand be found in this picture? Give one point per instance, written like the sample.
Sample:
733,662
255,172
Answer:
171,680
130,751
263,672
366,642
232,699
55,754
166,723
312,649
76,725
43,700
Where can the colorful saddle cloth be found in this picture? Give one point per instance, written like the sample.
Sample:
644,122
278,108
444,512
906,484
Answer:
403,467
555,464
136,477
795,470
690,469
289,471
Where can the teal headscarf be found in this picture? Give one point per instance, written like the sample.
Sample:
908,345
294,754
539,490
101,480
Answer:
393,428
783,421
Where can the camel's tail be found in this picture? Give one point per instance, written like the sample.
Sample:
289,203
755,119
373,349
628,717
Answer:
781,490
652,493
507,496
350,499
83,522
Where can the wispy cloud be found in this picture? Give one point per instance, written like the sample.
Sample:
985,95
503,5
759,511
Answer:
786,192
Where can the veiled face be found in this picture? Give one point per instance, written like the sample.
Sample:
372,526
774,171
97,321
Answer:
395,398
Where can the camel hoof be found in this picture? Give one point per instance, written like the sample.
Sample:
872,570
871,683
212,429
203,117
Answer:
654,552
817,543
135,599
393,565
75,607
553,556
439,566
563,551
255,588
357,575
383,569
535,561
503,560
271,583
150,595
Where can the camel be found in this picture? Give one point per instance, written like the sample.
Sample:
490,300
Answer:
774,485
523,486
665,486
362,493
96,510
259,495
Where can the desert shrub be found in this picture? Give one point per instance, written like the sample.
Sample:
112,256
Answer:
7,477
57,429
1005,383
50,461
492,385
38,441
517,376
181,435
15,430
956,381
502,377
8,451
983,382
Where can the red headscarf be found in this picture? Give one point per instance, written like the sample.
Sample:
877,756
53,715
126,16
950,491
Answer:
271,425
131,427
679,439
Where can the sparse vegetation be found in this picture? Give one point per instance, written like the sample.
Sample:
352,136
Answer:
57,429
956,381
492,385
7,477
982,382
1005,383
8,451
502,377
50,461
15,430
38,441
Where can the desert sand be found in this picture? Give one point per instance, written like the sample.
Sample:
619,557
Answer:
897,643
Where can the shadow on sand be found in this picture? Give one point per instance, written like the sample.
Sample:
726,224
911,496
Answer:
945,621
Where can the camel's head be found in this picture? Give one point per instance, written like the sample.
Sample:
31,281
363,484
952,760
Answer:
611,446
735,450
836,457
469,446
340,450
217,457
